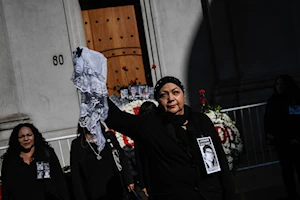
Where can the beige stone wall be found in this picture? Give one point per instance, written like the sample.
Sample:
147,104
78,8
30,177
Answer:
34,32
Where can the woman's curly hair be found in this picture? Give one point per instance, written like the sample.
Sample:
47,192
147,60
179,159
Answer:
14,145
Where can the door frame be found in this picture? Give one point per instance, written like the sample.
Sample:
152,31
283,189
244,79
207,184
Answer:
91,4
149,41
77,36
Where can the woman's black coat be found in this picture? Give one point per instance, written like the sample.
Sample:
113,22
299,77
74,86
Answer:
19,180
79,168
278,122
172,173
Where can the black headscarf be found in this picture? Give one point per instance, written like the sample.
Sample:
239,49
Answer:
176,120
165,80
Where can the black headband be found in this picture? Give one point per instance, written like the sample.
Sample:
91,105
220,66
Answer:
165,80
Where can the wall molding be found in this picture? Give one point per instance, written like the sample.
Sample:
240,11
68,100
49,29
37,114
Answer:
151,39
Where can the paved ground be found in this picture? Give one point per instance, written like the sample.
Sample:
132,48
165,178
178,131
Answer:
263,183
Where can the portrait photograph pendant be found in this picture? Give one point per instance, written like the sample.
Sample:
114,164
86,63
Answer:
97,154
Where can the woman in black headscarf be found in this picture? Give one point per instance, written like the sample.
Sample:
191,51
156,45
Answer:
31,169
282,117
171,138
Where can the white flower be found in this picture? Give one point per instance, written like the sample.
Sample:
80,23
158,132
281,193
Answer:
228,133
129,108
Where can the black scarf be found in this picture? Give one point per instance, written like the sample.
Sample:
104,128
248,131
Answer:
182,136
187,138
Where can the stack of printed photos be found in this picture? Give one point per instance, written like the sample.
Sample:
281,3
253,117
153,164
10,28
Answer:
132,93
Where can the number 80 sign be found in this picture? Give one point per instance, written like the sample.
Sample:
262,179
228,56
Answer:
58,60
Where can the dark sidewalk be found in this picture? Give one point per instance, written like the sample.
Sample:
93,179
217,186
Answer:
261,183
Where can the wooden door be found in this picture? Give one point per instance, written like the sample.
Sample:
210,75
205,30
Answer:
113,31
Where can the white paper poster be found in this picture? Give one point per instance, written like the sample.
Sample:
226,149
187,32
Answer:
209,155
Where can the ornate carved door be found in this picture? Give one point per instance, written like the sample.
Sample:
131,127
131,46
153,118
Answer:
113,31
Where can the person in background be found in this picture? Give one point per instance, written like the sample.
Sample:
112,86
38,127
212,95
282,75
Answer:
280,123
141,159
31,169
99,175
137,161
169,138
130,155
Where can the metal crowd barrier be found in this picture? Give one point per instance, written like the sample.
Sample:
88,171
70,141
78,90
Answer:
249,121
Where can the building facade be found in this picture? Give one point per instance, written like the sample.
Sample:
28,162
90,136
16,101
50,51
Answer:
232,49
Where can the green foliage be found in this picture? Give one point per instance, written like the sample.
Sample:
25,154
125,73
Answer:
213,108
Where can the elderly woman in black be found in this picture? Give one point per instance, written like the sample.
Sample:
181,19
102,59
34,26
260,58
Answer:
31,169
172,136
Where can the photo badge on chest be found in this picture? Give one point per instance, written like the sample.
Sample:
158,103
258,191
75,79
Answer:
294,110
43,170
209,155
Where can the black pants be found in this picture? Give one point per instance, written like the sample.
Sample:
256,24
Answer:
289,159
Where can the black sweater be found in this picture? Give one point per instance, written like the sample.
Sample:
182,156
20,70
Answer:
278,121
94,179
172,173
19,180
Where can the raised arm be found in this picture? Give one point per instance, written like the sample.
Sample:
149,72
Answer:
120,121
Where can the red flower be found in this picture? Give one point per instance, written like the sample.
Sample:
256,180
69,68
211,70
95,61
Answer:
131,82
136,110
136,79
126,141
222,134
153,66
117,80
202,100
201,91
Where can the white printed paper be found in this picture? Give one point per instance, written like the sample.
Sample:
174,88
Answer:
209,155
43,170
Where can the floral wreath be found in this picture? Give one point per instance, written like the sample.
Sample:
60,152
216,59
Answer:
131,108
227,131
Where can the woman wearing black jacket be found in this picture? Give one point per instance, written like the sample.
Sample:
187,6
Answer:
169,138
97,176
31,169
282,117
